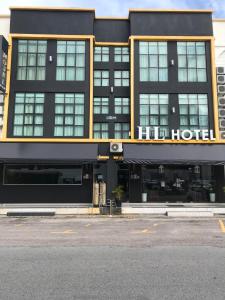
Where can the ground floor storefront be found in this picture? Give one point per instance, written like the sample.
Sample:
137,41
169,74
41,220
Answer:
74,182
90,174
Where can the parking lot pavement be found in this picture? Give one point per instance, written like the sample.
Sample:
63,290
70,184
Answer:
133,231
102,258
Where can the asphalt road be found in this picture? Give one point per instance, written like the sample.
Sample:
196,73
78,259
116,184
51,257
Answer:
111,258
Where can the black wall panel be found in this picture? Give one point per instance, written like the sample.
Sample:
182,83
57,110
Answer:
51,22
164,23
112,30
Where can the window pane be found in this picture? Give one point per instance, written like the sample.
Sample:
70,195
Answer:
71,56
144,75
144,61
201,75
69,113
31,60
191,62
182,75
195,110
153,61
154,111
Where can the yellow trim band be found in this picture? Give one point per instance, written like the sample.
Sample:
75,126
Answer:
132,89
112,18
51,36
91,88
111,44
171,38
6,100
171,10
50,8
87,140
214,90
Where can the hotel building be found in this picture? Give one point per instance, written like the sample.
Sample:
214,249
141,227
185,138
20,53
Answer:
125,101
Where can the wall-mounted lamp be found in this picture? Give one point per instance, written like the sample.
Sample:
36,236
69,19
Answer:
161,169
172,62
197,170
111,89
50,59
173,110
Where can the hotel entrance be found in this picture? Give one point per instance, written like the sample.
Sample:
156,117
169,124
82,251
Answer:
175,183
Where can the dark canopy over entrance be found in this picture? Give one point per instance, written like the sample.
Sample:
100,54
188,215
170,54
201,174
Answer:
175,154
48,151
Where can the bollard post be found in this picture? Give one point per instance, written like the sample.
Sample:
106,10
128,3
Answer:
110,208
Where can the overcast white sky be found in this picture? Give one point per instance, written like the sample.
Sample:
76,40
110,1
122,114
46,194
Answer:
120,7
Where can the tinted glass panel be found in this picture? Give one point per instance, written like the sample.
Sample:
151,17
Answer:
42,174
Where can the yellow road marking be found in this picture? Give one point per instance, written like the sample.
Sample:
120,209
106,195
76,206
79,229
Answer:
18,225
146,231
222,226
87,225
69,231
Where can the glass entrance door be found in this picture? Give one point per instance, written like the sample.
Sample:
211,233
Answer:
123,180
174,183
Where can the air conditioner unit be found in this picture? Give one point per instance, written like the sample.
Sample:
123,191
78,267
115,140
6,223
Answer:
221,89
221,112
220,79
222,123
221,101
116,147
222,135
220,70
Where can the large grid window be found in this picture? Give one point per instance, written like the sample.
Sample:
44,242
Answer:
191,62
101,130
101,54
101,105
69,115
154,112
28,114
153,61
122,105
121,78
121,130
121,54
193,109
101,78
70,60
31,64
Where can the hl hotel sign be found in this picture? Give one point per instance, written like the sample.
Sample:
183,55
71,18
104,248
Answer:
153,133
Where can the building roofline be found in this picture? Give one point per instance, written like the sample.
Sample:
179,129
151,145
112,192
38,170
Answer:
170,10
218,20
109,17
4,16
112,18
51,8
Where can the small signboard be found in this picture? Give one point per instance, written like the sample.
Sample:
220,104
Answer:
3,63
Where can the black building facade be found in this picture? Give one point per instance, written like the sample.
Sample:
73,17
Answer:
128,101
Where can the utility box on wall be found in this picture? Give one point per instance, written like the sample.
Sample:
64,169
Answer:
3,63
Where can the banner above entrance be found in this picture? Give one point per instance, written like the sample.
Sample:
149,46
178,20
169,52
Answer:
174,154
48,152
